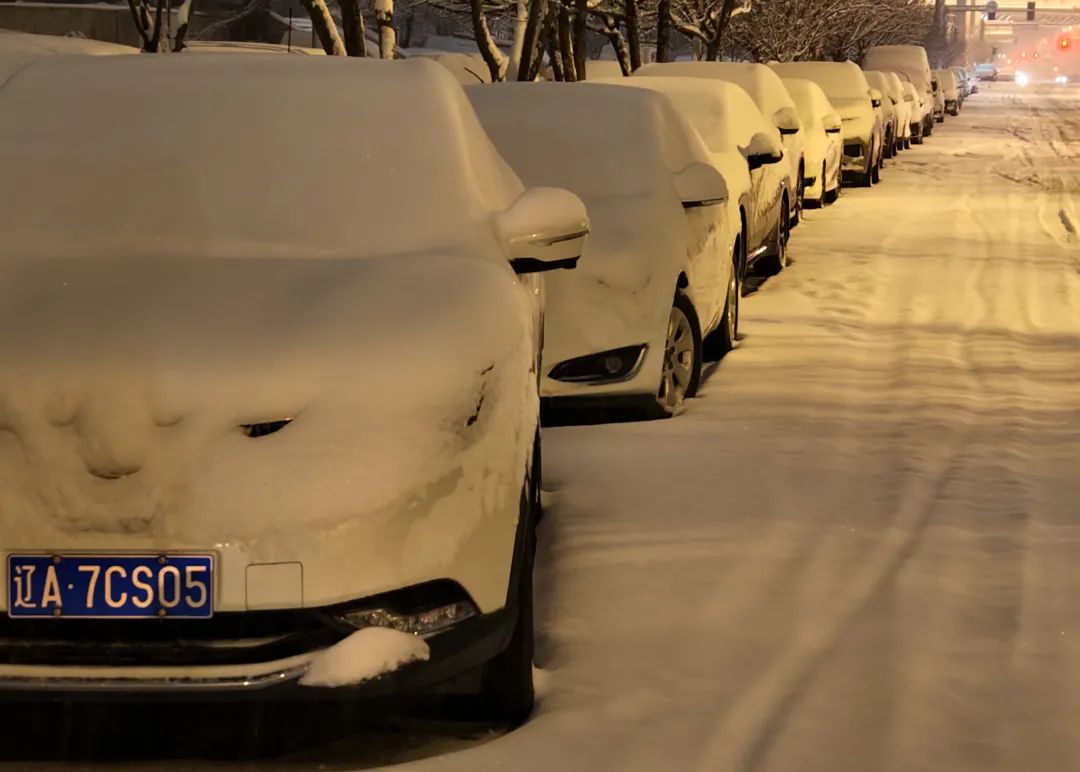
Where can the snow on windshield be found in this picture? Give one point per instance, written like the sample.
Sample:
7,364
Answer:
261,155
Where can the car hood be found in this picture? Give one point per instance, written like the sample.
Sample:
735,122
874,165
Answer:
850,109
123,394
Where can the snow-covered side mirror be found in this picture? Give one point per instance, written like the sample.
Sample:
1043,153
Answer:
787,120
700,185
909,97
763,149
546,230
832,123
875,97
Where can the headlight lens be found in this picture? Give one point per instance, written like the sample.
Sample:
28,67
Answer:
422,623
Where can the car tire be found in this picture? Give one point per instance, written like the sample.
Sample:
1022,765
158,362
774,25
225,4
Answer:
722,340
875,173
831,198
928,127
907,143
507,694
800,198
776,259
673,391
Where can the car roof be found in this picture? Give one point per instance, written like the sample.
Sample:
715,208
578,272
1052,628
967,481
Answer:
256,155
761,83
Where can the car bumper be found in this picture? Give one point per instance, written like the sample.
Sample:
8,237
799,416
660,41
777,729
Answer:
453,652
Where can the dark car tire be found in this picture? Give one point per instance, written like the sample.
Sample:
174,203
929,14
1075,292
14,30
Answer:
875,173
722,340
776,259
656,406
832,198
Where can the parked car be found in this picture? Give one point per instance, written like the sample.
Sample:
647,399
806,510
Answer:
904,107
660,278
912,62
747,150
850,95
224,476
824,143
950,91
771,98
986,71
939,99
891,99
911,96
963,81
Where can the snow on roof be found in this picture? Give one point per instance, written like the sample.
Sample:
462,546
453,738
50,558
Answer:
722,113
249,47
761,83
839,80
889,86
810,101
260,155
469,69
12,42
595,139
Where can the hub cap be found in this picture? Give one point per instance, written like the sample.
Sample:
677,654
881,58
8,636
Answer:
678,361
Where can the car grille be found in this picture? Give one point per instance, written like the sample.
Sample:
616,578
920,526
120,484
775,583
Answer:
225,639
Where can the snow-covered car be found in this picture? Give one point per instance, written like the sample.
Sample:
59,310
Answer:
904,102
266,439
911,96
746,148
824,143
963,81
950,90
850,95
986,71
891,99
659,275
771,98
938,92
912,62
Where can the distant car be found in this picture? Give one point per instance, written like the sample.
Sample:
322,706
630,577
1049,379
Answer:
950,90
850,95
912,62
824,142
746,148
889,111
660,277
938,93
771,98
986,71
963,81
268,440
911,98
904,107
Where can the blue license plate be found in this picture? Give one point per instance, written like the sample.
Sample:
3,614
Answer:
110,586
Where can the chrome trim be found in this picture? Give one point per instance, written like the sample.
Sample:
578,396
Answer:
128,684
550,241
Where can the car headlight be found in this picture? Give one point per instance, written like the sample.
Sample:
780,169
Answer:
1022,78
422,623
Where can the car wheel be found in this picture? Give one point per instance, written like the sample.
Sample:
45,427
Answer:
907,143
681,368
800,198
506,684
875,173
722,340
866,179
776,259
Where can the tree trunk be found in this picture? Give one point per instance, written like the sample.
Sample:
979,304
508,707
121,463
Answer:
939,17
517,47
141,19
712,49
155,45
552,42
581,12
618,43
542,34
183,14
493,58
384,17
566,45
633,34
352,22
323,24
663,30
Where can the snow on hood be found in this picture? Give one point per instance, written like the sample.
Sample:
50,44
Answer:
222,156
12,42
392,369
364,655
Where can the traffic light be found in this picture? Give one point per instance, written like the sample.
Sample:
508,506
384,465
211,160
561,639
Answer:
1064,42
1031,10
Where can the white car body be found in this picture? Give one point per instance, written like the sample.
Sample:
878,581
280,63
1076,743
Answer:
912,62
624,163
950,90
904,105
731,125
325,385
824,143
768,93
890,99
912,97
938,93
849,93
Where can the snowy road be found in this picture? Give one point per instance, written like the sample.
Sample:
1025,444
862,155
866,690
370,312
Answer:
859,551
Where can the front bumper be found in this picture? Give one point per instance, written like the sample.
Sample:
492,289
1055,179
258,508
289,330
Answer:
454,652
855,156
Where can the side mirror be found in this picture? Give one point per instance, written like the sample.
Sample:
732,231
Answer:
875,97
787,120
832,123
546,230
908,97
699,185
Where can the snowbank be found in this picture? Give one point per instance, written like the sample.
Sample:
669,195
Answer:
366,654
12,42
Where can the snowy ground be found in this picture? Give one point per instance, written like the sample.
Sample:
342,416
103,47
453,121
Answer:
859,551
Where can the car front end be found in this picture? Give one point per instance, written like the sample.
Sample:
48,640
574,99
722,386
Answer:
219,496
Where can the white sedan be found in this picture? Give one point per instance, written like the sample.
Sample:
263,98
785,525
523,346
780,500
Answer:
771,98
267,433
824,145
659,279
